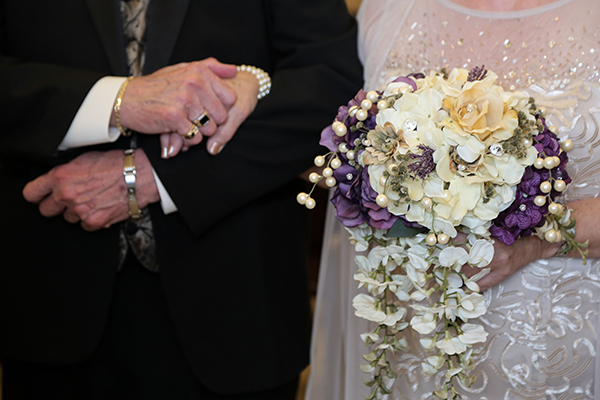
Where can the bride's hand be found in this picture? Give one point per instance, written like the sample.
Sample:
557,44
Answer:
246,87
509,259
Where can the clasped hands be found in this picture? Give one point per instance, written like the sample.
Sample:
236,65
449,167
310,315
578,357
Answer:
91,190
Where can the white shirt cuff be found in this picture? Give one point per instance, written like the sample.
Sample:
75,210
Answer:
91,123
167,204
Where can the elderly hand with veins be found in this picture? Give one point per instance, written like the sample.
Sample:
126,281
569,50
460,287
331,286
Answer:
91,190
168,100
246,88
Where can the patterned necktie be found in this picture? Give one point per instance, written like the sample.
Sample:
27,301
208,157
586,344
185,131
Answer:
137,235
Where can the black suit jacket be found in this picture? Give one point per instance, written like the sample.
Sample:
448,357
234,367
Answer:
232,258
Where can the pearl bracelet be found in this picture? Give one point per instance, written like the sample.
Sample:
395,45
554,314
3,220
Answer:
264,80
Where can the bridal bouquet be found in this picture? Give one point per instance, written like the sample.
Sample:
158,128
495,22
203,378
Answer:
427,171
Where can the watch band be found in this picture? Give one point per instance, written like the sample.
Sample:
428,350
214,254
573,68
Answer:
129,174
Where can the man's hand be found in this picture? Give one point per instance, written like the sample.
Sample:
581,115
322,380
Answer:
245,85
91,189
170,98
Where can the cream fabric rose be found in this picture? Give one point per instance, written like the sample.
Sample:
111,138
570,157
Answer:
481,110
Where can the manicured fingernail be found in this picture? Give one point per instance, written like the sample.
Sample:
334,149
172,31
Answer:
171,150
215,148
165,152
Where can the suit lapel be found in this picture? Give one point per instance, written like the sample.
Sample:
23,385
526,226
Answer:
107,20
164,20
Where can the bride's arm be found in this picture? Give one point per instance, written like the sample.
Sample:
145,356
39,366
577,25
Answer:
509,259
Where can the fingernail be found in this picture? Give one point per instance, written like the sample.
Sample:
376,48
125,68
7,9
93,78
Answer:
171,150
215,148
165,152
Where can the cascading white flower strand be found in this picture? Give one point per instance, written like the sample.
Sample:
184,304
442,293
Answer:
442,297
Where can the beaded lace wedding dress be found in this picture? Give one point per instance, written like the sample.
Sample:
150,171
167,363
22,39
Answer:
542,321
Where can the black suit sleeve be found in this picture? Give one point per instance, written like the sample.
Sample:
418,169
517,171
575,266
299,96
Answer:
45,74
315,69
36,116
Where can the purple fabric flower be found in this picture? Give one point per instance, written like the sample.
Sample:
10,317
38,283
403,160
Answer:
354,201
346,211
407,80
328,137
523,216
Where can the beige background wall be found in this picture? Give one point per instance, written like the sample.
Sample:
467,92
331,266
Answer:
353,6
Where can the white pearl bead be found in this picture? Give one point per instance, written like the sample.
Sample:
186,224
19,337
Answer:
330,182
383,180
327,172
553,129
382,104
301,198
554,208
550,235
343,147
350,154
319,161
392,168
366,104
560,185
567,145
426,202
559,237
545,187
548,163
542,110
340,130
310,203
352,111
443,238
336,163
396,91
431,239
539,163
447,196
539,200
556,160
361,115
526,142
373,96
314,177
382,200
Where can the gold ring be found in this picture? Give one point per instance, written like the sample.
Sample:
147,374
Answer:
192,132
202,120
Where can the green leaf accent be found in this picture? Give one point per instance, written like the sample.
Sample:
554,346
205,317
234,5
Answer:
401,230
